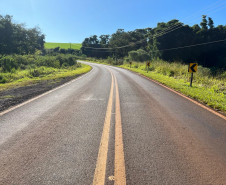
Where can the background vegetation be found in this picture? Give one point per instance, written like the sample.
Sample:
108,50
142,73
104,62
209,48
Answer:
208,87
17,70
16,38
24,60
155,41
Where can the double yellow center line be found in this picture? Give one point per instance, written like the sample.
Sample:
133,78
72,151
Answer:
119,171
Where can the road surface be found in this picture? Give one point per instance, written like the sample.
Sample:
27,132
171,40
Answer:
112,126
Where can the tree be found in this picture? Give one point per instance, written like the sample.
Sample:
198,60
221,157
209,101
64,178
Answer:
196,28
104,39
210,23
153,42
203,24
15,38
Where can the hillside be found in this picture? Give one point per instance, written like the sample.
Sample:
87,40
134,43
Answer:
49,45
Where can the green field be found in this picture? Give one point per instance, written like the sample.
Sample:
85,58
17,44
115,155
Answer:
49,45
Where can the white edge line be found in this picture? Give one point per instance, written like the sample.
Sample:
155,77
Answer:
212,110
39,96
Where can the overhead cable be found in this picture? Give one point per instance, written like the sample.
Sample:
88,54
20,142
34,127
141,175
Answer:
161,33
205,43
179,23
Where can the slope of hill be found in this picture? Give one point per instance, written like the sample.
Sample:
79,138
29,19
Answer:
49,45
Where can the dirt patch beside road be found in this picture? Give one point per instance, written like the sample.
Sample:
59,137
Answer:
12,97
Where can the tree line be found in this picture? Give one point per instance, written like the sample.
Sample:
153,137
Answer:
154,42
17,39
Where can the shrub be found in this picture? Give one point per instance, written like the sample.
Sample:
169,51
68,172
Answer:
34,72
3,80
126,60
83,57
8,63
140,55
56,64
64,65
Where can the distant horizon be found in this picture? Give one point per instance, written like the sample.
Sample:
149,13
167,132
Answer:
72,22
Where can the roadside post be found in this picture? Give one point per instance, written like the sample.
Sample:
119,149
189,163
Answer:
192,68
130,64
148,64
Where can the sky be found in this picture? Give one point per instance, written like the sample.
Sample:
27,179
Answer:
72,21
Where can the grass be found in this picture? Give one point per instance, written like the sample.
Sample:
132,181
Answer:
49,45
207,88
24,77
6,97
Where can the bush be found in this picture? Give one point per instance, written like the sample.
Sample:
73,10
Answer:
56,64
64,65
8,63
139,55
83,57
34,72
3,80
126,60
11,63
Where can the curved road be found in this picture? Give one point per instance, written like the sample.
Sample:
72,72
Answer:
112,126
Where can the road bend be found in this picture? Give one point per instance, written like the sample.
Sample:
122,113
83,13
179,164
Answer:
112,126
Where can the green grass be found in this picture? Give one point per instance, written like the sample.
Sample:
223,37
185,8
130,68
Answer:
210,96
24,77
208,89
49,45
6,97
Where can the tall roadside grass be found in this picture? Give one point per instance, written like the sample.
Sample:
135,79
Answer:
34,76
208,87
203,78
24,70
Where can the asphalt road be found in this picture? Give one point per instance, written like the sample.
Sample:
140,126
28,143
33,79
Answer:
112,126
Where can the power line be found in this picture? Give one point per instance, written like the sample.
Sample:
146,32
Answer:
161,33
205,43
202,10
119,46
173,26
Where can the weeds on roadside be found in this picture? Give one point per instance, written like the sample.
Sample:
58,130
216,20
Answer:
209,86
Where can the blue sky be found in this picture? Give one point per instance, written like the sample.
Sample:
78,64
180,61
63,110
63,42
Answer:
73,20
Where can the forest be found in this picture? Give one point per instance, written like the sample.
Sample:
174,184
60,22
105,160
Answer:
164,42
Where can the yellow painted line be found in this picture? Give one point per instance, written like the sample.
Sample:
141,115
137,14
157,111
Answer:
28,101
120,172
99,175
